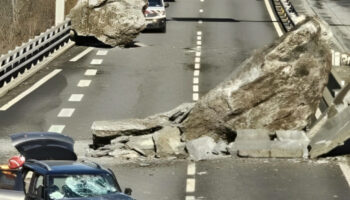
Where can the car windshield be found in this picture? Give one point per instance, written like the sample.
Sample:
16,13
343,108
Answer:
155,3
76,186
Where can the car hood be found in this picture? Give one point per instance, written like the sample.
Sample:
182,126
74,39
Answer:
117,196
44,146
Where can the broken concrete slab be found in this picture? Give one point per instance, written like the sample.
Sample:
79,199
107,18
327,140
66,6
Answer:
168,142
253,134
334,132
144,142
253,149
201,148
121,153
220,148
120,139
288,149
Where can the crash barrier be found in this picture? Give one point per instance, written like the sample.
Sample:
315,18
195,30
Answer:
286,13
25,57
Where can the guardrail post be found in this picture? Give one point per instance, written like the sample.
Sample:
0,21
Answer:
59,11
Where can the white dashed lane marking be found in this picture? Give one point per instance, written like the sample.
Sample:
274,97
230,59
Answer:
56,128
197,60
200,22
199,32
90,72
76,97
30,90
84,83
195,88
102,52
197,66
96,62
199,42
66,112
191,169
195,96
190,198
199,38
195,80
201,10
82,54
190,185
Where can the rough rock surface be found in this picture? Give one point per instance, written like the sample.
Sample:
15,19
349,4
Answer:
201,148
113,22
277,88
168,142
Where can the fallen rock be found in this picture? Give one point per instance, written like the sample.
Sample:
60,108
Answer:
278,88
126,154
144,142
201,148
333,133
174,116
220,148
113,22
253,134
120,139
168,142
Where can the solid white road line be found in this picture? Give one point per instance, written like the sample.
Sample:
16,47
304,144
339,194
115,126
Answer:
346,171
84,83
96,62
191,169
273,18
66,112
76,97
102,52
30,90
197,66
56,128
82,54
190,185
90,72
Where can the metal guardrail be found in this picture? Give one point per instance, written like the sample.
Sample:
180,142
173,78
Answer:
25,57
286,13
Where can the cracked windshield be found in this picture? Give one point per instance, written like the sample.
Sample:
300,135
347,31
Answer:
174,99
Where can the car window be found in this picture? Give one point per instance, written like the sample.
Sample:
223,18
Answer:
8,180
155,3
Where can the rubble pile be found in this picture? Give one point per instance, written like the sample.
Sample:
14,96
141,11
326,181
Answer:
261,110
113,22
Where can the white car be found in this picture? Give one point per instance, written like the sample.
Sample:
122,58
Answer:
155,15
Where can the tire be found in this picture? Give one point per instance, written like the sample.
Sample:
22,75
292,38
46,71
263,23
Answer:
163,29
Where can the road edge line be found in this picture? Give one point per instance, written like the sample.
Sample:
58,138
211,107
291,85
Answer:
26,75
29,90
273,18
344,167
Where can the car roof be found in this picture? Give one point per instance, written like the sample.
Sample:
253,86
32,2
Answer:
51,167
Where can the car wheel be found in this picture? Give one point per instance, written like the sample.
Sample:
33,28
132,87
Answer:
164,28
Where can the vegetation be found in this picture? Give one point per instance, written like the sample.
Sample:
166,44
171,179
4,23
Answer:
21,20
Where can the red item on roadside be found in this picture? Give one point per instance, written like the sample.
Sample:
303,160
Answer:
16,162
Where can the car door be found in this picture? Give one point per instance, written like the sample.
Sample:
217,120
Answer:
35,190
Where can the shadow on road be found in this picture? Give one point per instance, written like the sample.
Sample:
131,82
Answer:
340,151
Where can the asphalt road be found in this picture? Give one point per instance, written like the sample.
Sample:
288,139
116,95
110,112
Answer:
158,76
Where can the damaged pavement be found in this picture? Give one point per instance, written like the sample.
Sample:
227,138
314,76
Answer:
243,116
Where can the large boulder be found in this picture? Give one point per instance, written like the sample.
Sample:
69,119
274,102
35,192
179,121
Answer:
168,142
278,88
113,22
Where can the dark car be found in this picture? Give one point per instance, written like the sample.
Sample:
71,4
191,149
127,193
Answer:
51,172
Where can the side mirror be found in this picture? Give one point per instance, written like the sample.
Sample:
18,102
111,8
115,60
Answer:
128,191
166,4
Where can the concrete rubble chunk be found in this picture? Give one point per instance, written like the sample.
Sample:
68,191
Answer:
278,88
333,133
201,148
168,142
253,149
144,142
113,22
288,149
121,153
220,148
120,139
253,134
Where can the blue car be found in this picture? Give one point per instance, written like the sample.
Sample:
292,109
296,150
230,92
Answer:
52,172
